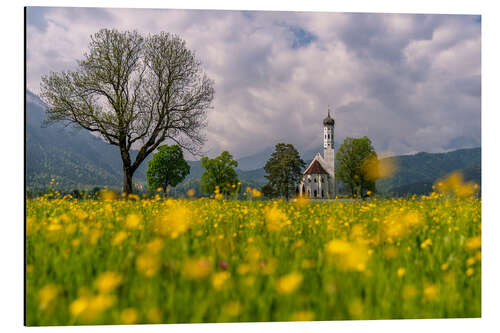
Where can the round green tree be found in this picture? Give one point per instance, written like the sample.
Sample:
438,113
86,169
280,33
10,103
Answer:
167,168
219,173
356,161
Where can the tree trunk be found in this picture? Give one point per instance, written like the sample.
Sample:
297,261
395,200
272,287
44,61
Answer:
128,171
127,180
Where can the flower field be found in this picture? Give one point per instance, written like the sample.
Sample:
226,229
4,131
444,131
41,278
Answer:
132,260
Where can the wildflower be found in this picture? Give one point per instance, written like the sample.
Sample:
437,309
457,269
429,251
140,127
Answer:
47,295
233,308
147,264
119,238
473,243
303,316
348,256
108,281
154,315
133,222
196,269
220,279
426,243
107,195
401,272
191,193
129,316
430,292
275,219
289,283
469,271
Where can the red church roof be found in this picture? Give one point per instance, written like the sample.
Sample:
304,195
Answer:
315,168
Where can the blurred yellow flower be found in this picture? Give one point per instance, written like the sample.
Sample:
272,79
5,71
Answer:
473,243
196,269
108,281
303,316
431,292
275,219
129,316
147,264
133,222
119,238
289,283
232,309
220,279
47,295
401,272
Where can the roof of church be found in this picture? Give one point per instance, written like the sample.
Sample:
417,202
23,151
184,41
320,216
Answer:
315,168
329,120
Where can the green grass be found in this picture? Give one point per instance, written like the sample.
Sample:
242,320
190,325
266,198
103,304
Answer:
434,242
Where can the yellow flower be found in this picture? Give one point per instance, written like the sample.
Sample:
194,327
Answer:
147,264
289,283
196,269
219,279
303,316
473,243
154,315
191,192
129,316
431,292
47,295
275,219
348,256
401,272
108,281
133,222
232,309
469,271
107,195
426,243
119,238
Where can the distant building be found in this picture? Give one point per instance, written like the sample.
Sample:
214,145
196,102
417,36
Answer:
318,180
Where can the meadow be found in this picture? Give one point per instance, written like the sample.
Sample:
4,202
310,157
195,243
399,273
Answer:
128,260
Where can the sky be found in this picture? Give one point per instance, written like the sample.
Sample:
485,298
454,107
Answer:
410,82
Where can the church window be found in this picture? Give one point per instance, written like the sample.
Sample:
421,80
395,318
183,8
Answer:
325,136
328,136
322,193
315,180
315,193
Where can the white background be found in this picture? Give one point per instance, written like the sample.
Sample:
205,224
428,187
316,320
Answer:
12,167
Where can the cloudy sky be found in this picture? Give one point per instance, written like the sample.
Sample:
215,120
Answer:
409,82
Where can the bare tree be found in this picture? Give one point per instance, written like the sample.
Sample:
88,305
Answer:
134,91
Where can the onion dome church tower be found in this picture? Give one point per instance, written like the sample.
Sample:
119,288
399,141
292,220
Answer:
318,180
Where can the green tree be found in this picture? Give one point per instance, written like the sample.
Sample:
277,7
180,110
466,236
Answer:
356,161
219,172
134,92
167,167
284,171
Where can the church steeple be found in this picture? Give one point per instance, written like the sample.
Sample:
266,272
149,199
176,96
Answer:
329,120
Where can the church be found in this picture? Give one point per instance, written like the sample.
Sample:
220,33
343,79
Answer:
318,180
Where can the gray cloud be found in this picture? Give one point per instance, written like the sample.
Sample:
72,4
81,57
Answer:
410,82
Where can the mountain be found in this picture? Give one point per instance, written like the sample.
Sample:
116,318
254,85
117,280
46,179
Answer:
415,174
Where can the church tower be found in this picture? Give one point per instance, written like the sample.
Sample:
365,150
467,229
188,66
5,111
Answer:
328,142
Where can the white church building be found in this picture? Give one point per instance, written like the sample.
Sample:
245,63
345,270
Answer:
318,180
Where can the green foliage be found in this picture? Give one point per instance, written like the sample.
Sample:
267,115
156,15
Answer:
219,172
284,170
352,158
167,168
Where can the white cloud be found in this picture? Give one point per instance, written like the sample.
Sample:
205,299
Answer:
409,82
